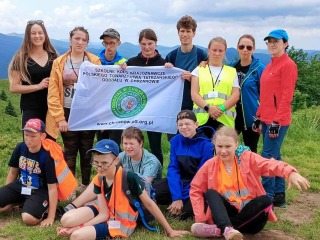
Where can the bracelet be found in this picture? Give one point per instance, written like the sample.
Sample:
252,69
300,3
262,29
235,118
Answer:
222,107
81,225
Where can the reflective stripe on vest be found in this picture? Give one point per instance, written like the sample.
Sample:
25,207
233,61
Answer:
243,193
222,92
67,183
120,209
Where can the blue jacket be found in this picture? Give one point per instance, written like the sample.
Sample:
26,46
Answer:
116,59
187,155
250,90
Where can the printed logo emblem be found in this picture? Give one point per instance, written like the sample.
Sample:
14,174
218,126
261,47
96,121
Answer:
128,102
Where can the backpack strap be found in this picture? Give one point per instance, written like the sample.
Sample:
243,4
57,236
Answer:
133,200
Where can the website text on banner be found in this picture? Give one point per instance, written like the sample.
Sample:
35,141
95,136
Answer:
108,97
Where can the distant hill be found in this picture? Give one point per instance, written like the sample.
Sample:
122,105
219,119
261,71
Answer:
11,43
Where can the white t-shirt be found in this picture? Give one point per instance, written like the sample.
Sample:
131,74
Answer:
217,72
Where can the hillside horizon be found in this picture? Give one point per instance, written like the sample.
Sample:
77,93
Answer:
11,43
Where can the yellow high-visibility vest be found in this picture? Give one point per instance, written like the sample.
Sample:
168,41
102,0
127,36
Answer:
216,94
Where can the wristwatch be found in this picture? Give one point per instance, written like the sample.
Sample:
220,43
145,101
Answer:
206,107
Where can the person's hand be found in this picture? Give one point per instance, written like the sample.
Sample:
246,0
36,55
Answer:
215,112
123,66
47,222
297,180
274,130
63,126
203,64
186,75
44,83
168,65
176,207
177,233
65,232
256,126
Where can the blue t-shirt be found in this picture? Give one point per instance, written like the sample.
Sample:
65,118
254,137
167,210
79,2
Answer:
148,166
36,169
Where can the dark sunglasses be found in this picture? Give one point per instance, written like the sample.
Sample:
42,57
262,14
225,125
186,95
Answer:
249,48
31,22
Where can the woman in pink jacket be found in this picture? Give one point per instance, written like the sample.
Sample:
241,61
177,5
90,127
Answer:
230,185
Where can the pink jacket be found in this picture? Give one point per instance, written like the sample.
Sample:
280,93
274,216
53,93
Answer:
252,167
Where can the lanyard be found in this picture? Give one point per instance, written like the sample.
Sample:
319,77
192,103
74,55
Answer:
214,83
73,67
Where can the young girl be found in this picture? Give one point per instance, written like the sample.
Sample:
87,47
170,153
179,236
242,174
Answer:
114,217
232,188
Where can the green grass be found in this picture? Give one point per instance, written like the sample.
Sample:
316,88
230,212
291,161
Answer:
300,148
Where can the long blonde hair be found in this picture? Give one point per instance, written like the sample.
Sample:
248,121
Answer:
19,61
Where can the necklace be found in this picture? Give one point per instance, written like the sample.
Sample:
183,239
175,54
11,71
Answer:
73,67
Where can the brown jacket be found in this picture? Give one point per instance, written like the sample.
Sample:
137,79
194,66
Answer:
55,112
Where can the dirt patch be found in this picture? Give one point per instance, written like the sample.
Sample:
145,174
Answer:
2,224
271,235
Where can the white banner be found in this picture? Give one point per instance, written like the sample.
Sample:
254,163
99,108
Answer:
108,97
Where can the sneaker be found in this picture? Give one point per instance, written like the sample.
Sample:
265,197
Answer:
231,234
81,188
279,200
205,230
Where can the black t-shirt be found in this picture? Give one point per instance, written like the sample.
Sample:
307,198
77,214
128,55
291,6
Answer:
36,169
37,100
241,71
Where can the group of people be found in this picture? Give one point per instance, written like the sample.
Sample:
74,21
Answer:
210,177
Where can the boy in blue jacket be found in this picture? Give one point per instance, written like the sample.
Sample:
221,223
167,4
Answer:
189,150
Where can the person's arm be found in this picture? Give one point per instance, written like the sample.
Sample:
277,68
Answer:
233,99
199,186
289,77
55,107
156,212
195,89
12,175
53,202
16,86
85,197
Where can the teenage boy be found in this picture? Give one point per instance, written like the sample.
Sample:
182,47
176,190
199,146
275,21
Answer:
110,56
114,217
134,157
189,150
187,56
31,180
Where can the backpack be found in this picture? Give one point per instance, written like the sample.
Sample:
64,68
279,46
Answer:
144,215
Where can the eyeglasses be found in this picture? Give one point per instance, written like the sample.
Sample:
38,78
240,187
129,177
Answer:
31,22
249,48
270,42
110,44
102,165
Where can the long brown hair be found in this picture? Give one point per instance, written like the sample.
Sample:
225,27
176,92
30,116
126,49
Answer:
19,62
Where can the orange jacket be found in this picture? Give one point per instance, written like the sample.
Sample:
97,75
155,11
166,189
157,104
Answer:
55,112
119,207
252,167
67,183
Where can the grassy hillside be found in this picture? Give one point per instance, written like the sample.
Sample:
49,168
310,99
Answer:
301,149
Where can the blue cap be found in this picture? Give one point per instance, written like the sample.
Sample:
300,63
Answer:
106,146
278,34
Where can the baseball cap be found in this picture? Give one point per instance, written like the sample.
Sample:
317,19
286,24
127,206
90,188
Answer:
35,125
188,114
278,34
106,146
110,32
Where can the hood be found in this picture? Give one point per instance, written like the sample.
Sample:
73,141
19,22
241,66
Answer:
104,61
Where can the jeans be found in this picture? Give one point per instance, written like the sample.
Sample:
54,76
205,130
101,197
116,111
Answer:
271,149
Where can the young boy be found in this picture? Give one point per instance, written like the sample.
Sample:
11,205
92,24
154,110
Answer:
36,187
134,157
110,56
189,150
115,217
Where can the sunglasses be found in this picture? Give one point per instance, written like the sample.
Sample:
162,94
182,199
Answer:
31,22
249,48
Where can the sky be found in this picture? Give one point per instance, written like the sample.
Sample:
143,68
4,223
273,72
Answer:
228,19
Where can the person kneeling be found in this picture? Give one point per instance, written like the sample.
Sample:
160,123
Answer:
114,216
230,184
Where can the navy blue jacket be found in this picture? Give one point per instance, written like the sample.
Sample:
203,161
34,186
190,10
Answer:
187,155
250,90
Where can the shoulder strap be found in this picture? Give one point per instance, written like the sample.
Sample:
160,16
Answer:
133,200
